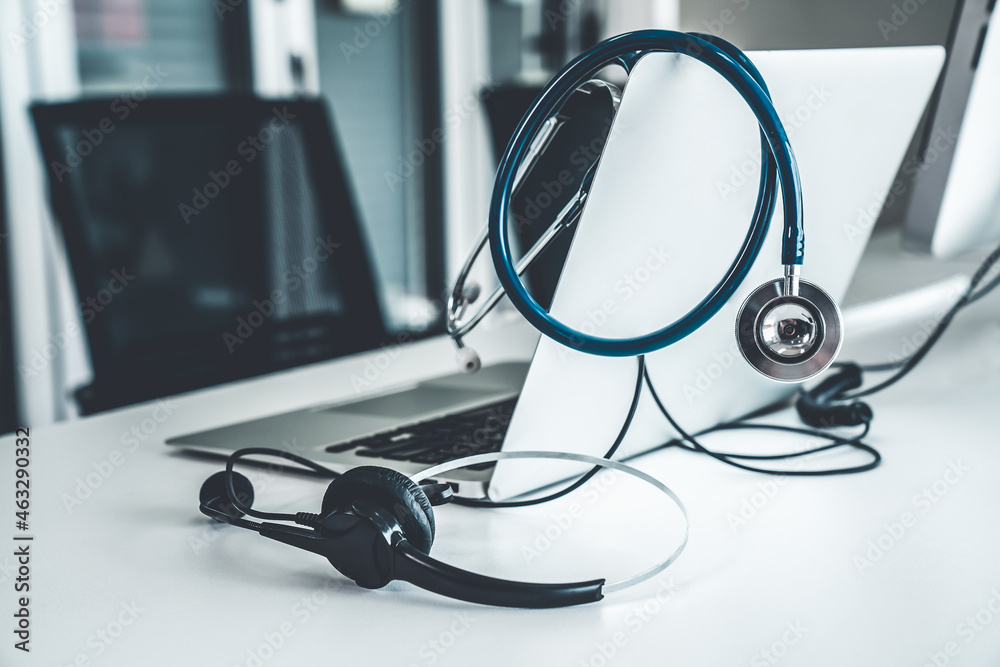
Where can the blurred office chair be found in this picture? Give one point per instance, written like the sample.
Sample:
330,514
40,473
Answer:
211,239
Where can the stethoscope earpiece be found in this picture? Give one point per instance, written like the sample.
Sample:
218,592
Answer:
789,330
467,359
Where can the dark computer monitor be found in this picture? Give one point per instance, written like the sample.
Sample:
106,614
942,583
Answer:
947,192
585,124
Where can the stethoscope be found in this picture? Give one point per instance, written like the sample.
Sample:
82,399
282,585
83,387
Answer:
787,329
377,525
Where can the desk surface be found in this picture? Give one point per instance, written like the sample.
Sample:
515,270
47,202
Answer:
898,566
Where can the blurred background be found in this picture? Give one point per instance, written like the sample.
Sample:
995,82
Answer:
134,246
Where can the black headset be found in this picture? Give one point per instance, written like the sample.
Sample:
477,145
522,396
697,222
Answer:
377,525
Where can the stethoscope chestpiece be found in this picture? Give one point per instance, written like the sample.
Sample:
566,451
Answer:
789,335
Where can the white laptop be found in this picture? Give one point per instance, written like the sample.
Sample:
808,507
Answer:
669,208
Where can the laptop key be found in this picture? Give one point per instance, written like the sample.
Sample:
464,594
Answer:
371,442
443,454
344,447
405,453
454,436
389,444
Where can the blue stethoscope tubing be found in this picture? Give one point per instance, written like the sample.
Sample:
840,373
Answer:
776,158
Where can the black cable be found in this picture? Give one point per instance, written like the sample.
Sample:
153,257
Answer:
265,451
984,290
475,502
224,517
904,367
732,426
642,376
727,458
469,502
970,296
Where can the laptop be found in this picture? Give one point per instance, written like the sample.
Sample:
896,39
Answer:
675,180
437,418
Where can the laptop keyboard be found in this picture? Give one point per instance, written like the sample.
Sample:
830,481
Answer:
476,431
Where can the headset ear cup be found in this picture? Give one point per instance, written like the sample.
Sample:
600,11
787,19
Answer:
391,490
215,489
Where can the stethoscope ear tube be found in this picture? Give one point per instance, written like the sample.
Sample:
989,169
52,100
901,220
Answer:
778,164
465,293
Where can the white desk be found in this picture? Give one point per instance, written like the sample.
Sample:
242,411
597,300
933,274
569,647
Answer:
135,576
